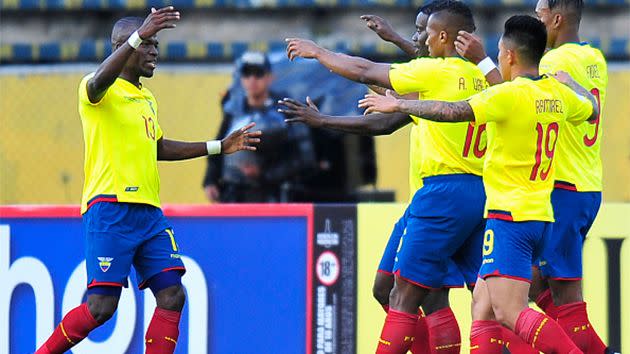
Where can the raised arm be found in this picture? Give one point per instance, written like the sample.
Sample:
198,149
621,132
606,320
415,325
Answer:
470,47
240,139
113,65
437,111
566,79
374,124
384,30
353,68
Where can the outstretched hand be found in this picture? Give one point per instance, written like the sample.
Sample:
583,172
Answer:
380,26
378,103
241,139
469,46
304,48
158,20
305,113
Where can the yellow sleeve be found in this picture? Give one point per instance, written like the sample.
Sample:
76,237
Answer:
83,96
579,108
493,104
413,76
548,64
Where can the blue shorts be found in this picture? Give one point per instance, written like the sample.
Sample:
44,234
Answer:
444,225
574,212
510,247
119,235
454,277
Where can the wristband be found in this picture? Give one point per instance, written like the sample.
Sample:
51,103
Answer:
213,146
134,40
486,65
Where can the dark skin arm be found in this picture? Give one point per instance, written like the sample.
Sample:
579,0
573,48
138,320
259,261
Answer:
437,111
470,47
113,65
384,30
352,68
240,139
566,79
374,124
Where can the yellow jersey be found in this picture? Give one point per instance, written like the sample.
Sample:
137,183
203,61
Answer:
579,164
120,134
446,148
524,119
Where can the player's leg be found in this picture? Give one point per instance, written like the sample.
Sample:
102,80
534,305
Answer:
444,334
486,333
508,251
159,267
108,255
561,263
384,280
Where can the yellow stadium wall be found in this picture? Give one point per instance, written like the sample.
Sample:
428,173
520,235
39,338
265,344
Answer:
376,222
41,147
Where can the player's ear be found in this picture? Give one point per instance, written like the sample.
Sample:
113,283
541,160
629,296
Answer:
557,20
443,37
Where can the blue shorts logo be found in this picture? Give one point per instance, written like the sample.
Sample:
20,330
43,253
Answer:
105,263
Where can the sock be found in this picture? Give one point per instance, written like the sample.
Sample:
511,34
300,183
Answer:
161,337
420,343
515,344
543,333
74,327
486,338
574,321
545,302
444,333
397,334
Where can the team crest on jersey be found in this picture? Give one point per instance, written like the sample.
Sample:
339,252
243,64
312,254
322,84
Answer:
105,263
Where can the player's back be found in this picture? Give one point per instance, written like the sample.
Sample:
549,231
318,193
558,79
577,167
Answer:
524,119
446,148
579,165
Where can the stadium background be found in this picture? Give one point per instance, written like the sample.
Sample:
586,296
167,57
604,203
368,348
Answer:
46,46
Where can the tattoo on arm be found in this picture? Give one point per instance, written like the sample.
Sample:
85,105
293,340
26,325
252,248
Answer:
577,88
439,111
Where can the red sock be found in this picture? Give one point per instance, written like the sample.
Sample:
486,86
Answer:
397,334
444,332
574,320
543,333
515,344
163,331
420,343
74,327
545,302
485,337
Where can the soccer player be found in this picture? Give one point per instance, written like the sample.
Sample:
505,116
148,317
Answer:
524,118
123,222
577,195
451,166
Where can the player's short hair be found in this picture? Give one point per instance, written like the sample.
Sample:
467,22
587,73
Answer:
429,8
124,27
461,15
529,36
572,7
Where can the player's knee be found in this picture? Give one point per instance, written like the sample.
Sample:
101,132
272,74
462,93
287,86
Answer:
172,298
381,292
435,301
102,307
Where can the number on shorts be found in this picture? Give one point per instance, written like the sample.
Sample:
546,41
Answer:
488,242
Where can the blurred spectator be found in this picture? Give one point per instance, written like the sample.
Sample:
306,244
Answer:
285,156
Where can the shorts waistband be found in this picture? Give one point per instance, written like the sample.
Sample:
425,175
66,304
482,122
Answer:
456,177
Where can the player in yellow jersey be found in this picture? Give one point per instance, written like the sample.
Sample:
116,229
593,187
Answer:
524,118
451,166
577,195
122,218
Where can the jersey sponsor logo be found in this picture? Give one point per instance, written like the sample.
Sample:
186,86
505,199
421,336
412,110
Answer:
131,189
105,263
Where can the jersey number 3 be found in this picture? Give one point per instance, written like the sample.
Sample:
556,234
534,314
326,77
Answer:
549,147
